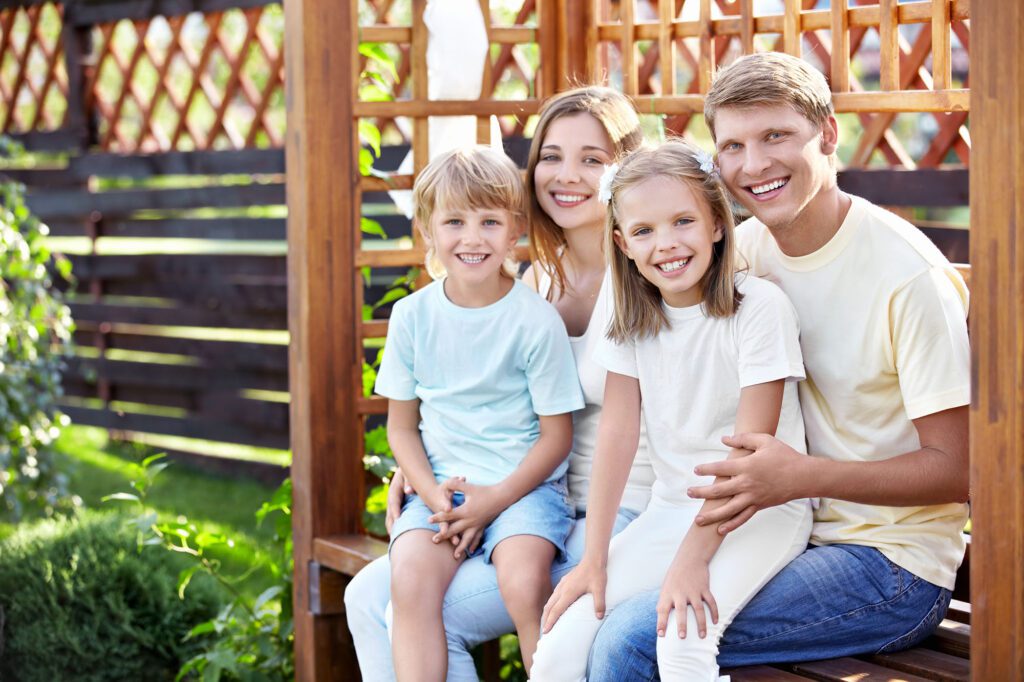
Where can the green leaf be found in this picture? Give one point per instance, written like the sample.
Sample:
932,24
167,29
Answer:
184,578
266,596
365,162
391,296
370,226
370,135
126,497
376,52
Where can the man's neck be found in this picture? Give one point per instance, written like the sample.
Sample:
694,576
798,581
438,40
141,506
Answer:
816,225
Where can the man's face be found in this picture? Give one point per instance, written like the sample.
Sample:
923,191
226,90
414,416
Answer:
773,160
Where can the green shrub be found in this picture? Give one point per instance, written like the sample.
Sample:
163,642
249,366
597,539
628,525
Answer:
84,601
35,330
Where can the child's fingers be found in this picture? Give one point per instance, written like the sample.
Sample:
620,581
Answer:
465,543
553,610
698,612
709,599
664,608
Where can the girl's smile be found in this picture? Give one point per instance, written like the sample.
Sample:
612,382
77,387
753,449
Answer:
669,234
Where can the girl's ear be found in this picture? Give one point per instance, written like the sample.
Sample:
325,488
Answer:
621,243
719,231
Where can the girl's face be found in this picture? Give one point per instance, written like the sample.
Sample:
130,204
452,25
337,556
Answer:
472,243
669,232
572,158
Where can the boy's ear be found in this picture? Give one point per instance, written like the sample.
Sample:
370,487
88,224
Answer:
417,225
829,136
621,243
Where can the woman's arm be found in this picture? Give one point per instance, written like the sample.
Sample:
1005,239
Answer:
618,435
687,580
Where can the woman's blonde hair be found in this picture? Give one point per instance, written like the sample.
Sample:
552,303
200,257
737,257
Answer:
476,177
617,115
638,304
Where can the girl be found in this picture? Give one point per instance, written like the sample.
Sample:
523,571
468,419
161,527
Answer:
578,132
481,383
700,353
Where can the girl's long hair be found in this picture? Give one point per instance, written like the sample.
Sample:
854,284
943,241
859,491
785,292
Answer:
617,115
638,304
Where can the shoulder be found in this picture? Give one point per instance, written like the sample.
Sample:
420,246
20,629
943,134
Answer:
759,291
899,248
422,301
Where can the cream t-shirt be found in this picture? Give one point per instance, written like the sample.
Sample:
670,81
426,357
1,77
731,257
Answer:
584,422
884,336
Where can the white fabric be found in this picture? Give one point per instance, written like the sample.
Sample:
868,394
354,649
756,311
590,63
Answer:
691,376
482,376
638,559
457,47
585,421
884,337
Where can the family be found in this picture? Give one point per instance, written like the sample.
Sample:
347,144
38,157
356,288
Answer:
674,444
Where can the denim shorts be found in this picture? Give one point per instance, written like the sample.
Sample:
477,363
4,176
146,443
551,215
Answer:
545,512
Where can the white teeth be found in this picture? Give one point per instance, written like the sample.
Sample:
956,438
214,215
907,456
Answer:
570,198
774,184
472,258
674,265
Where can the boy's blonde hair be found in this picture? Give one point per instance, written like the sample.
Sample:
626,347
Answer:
770,78
617,115
476,177
638,304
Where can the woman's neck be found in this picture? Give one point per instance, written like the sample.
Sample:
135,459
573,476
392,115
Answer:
584,252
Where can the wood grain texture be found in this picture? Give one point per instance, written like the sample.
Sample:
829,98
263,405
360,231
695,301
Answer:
997,341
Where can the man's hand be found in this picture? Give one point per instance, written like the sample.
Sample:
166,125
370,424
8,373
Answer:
465,524
767,477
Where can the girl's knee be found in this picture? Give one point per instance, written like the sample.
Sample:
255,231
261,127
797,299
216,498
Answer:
691,657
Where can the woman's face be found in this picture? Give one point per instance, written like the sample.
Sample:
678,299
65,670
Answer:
573,155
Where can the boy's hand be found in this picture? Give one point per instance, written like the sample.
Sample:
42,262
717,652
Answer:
397,491
587,578
439,499
482,504
687,583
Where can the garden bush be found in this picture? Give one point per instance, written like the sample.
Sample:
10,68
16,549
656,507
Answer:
81,599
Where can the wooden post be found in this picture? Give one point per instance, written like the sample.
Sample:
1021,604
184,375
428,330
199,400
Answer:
575,42
997,342
320,151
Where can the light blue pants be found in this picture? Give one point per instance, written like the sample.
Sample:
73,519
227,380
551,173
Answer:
837,600
473,610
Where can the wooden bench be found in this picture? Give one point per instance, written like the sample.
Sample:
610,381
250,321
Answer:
944,656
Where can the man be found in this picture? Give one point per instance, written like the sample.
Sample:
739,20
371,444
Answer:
884,337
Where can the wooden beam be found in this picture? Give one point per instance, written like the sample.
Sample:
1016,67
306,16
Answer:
320,150
997,342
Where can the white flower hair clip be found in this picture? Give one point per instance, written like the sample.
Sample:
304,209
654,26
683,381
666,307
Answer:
604,187
707,163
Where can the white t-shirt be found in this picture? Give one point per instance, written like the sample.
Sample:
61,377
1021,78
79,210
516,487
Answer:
691,376
585,421
884,336
482,376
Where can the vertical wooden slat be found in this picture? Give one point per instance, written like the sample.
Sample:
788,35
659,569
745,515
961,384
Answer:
667,47
941,70
889,39
77,42
997,342
548,28
747,26
705,62
627,10
791,29
840,47
321,148
577,37
483,123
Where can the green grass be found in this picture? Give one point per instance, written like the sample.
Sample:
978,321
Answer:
98,466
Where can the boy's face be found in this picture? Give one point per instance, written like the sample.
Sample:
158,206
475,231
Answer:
773,160
472,243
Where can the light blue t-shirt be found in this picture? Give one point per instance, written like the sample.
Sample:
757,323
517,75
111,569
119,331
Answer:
482,376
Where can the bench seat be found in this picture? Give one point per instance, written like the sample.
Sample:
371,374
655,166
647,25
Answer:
943,657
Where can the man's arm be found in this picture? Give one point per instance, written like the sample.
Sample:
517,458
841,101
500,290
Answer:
774,473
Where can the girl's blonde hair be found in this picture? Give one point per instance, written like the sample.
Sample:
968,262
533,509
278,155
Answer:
476,177
638,304
617,115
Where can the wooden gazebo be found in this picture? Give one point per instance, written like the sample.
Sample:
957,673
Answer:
580,41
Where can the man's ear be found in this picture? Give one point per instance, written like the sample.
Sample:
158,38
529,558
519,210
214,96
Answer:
829,136
621,243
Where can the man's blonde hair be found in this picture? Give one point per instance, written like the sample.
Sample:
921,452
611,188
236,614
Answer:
770,78
472,178
638,309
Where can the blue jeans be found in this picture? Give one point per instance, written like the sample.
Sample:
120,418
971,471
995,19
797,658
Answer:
473,609
831,601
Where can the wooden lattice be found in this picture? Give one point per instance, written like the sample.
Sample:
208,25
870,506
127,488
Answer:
33,79
199,81
663,53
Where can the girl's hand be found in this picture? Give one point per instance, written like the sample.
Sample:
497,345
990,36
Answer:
481,505
397,491
687,583
587,578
